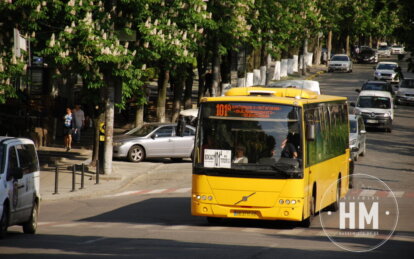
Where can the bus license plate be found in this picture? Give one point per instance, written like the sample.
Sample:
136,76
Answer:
372,121
245,213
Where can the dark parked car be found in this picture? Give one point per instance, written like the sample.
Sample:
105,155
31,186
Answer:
377,86
367,56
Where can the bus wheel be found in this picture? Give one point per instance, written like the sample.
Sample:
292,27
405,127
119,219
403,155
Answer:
4,221
213,220
335,206
308,222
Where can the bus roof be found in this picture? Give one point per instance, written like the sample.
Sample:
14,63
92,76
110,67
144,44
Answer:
289,96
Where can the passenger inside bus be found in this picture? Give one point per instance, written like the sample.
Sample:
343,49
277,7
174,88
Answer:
240,155
290,146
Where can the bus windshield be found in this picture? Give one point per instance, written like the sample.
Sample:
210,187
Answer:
244,139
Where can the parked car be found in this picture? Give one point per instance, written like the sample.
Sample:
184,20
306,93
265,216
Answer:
388,71
384,51
155,140
19,184
405,92
301,84
340,62
357,136
376,108
397,49
377,86
367,56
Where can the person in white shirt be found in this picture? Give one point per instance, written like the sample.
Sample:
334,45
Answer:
239,157
79,119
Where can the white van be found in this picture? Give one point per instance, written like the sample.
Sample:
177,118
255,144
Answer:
19,184
376,108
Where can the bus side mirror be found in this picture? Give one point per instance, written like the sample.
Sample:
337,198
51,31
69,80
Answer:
310,132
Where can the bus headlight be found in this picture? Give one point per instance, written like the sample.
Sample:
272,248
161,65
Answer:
281,201
288,202
293,202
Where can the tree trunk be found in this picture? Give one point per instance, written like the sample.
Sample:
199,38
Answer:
139,116
225,69
163,78
189,88
201,69
179,82
329,45
347,47
305,52
98,119
216,68
109,123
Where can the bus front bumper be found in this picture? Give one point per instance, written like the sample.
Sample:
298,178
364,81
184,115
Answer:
280,212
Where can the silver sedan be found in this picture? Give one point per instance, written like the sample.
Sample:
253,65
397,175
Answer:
154,140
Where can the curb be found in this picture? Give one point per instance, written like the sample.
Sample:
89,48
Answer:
311,77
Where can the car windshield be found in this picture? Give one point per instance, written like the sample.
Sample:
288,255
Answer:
383,48
407,83
396,46
386,66
375,87
353,126
339,58
253,139
143,131
368,52
374,102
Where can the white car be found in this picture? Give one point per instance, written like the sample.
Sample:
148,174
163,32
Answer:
388,71
340,62
357,136
384,51
376,108
397,49
19,184
301,84
405,92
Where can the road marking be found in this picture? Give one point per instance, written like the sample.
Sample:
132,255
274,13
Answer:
367,193
69,225
214,228
295,231
156,191
182,190
142,226
94,240
46,223
177,227
398,194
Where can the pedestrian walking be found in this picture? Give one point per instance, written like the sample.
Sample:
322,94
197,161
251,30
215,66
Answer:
79,118
68,127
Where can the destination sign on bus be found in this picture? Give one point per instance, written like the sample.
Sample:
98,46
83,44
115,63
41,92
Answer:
246,110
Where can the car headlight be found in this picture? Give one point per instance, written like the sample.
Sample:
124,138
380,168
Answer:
352,142
357,111
117,144
388,114
377,73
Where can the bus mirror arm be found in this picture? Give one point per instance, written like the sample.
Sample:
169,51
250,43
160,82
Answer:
310,132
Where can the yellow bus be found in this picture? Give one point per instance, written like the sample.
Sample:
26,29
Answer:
270,153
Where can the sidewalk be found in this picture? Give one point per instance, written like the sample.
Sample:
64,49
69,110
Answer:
52,158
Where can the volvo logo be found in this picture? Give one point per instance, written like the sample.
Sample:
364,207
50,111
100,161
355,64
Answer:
245,198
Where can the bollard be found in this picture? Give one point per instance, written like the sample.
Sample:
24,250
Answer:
56,180
73,177
82,177
97,172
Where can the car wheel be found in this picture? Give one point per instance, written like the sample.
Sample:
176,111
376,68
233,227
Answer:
4,221
176,159
30,226
136,154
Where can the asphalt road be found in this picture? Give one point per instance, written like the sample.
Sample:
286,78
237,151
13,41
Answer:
151,218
